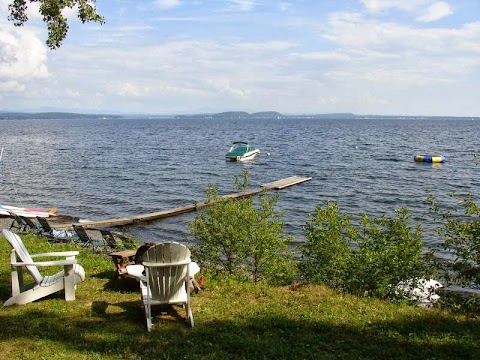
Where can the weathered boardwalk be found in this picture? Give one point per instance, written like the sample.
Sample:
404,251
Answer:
283,183
276,185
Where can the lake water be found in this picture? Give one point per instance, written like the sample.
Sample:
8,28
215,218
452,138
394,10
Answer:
109,168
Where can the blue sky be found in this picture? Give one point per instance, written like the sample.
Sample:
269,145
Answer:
390,57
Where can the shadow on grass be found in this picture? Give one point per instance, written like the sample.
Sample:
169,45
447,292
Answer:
5,285
123,284
119,329
162,313
104,275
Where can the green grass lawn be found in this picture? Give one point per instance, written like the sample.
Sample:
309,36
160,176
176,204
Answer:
232,321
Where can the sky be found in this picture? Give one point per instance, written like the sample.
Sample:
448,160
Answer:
384,57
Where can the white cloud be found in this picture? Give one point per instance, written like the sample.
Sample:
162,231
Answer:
354,32
176,74
380,5
323,56
395,63
224,85
72,93
11,86
132,90
23,57
285,6
70,13
262,47
242,5
436,12
329,100
167,4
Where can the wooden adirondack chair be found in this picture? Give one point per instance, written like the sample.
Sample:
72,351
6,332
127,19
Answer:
41,286
166,279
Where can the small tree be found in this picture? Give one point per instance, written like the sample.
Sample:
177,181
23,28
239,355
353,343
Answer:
242,238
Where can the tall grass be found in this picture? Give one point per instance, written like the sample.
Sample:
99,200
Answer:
233,320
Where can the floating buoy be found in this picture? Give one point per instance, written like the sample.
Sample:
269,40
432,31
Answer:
430,158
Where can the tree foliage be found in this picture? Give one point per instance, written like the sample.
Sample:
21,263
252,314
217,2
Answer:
461,240
328,250
389,253
371,258
242,238
51,10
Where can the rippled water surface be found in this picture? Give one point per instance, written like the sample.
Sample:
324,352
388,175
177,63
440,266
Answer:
104,168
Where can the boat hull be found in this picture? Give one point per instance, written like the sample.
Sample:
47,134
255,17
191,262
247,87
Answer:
27,212
245,157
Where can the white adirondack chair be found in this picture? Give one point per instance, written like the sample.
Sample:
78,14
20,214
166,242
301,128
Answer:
166,279
41,286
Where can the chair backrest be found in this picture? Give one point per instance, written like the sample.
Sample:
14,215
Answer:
44,224
29,223
82,234
108,237
22,253
167,283
20,224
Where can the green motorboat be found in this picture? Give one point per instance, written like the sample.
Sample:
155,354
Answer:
241,151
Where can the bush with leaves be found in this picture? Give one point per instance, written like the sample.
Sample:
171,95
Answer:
460,236
242,238
372,259
328,250
389,253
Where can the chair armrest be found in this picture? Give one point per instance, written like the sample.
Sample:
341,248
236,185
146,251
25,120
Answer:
61,253
178,263
47,263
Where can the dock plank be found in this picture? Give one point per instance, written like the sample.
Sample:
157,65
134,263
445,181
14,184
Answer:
283,183
275,185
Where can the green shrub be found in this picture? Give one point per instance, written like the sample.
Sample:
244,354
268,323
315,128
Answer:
242,238
461,240
328,250
126,242
389,252
370,260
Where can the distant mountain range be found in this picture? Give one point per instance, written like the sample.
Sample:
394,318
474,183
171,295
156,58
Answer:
7,115
229,115
270,115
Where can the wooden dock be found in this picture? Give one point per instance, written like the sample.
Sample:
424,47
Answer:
276,185
281,184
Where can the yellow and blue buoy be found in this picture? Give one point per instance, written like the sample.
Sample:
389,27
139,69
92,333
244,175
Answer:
430,158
